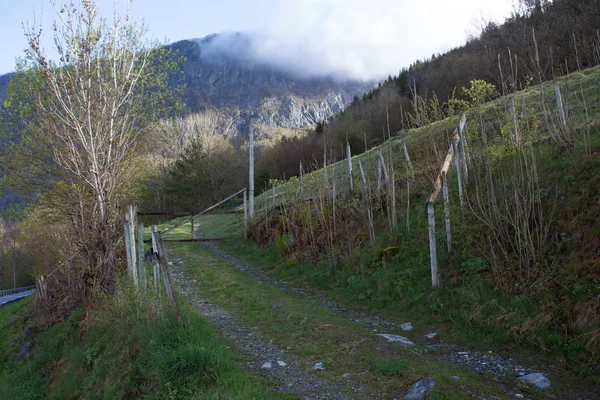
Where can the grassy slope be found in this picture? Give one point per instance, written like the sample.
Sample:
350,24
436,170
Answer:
418,139
470,307
125,347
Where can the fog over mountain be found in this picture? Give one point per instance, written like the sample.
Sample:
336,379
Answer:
224,72
365,40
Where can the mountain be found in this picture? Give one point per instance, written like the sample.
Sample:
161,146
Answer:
223,72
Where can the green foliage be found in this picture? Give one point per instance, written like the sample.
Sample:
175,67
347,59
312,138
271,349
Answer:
282,244
130,347
388,366
480,91
474,266
189,185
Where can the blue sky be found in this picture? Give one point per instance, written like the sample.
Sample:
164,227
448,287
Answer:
350,38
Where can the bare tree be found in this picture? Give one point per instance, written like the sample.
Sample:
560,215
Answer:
105,90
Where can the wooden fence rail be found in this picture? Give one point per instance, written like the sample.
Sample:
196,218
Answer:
456,153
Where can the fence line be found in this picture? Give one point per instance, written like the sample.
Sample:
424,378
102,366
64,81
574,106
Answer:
7,292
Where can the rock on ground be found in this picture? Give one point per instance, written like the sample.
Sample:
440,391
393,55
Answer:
24,353
536,379
397,339
420,389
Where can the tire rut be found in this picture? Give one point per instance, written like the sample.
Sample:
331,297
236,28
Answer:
500,368
286,371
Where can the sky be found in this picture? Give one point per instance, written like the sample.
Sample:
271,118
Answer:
359,39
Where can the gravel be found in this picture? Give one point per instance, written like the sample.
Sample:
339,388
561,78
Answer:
289,373
488,363
478,362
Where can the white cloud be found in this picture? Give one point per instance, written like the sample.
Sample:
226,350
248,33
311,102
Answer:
367,39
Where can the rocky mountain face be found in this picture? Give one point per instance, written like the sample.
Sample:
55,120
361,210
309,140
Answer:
222,73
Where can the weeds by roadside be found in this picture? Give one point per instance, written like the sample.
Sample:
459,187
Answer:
125,346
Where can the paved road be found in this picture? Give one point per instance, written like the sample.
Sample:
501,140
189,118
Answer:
14,297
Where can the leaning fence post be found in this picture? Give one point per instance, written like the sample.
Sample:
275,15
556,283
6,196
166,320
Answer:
273,195
432,245
406,156
251,172
447,211
165,272
140,251
156,251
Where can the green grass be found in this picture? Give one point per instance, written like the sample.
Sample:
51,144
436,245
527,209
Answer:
386,366
208,226
18,381
313,333
128,346
220,226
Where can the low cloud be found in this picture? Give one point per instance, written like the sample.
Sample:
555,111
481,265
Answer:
360,39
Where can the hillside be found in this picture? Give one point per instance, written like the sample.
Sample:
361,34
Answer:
312,277
486,267
490,296
435,238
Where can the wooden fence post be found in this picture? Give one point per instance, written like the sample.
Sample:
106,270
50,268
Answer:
394,212
378,175
458,173
513,113
192,227
432,245
251,173
349,156
561,111
325,175
273,195
301,173
164,267
133,245
156,251
386,174
41,288
462,145
245,215
447,211
127,236
367,194
140,252
406,156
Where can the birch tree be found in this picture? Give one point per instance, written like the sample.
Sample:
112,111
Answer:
92,104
